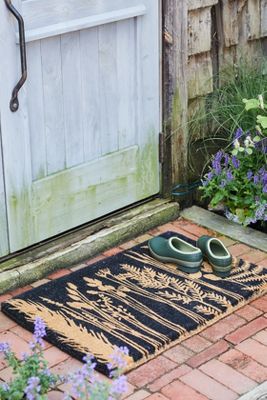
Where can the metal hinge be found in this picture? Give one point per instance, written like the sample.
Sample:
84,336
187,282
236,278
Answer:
161,148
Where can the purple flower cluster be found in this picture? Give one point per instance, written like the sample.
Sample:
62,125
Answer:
118,360
33,388
39,333
4,348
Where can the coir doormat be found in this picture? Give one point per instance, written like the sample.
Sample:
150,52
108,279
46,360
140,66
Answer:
133,300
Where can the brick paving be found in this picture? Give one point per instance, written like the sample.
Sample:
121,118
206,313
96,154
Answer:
223,362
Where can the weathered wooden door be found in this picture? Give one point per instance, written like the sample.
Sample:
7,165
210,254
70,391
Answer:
84,141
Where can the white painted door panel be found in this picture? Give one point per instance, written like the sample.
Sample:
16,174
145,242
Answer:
84,141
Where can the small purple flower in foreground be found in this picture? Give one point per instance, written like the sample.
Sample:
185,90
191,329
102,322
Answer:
4,348
223,183
226,160
235,162
119,385
33,388
264,189
118,360
5,387
39,333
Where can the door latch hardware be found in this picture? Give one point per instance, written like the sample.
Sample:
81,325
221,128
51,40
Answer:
14,102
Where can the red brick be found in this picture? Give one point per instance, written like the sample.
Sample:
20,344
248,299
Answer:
248,312
157,396
255,350
40,282
260,304
194,229
59,274
248,330
55,395
239,249
6,374
4,297
95,260
143,238
196,343
26,335
112,252
150,371
208,386
178,229
168,378
130,390
208,354
227,241
178,354
245,365
18,291
54,356
223,327
139,395
6,323
17,344
254,256
261,337
179,391
128,245
228,376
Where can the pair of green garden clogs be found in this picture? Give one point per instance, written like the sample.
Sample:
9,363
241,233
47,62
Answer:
188,257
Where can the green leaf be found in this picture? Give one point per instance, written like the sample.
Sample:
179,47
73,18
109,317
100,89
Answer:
256,139
251,104
249,150
262,121
235,152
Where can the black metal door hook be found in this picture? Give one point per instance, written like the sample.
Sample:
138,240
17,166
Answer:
14,102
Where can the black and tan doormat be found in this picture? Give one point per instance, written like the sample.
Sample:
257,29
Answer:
133,300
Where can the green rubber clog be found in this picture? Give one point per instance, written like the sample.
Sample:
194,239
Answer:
176,250
216,254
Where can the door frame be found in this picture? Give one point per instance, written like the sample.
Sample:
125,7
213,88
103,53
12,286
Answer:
174,94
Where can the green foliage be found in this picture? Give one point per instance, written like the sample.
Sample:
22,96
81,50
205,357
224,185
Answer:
237,178
224,111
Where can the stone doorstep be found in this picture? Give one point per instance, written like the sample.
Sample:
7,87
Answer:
76,248
259,393
228,228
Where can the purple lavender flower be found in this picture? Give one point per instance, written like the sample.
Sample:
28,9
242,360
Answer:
119,386
249,175
226,160
5,387
264,189
238,134
235,162
4,348
223,183
33,388
256,179
229,176
39,333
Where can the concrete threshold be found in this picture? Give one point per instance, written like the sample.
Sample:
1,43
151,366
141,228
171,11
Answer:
220,224
84,244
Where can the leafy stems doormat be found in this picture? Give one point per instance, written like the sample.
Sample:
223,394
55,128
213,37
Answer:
133,300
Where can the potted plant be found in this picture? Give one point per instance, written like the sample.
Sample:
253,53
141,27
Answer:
237,178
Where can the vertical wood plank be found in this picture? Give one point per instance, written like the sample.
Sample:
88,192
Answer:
36,110
15,137
263,18
71,75
53,104
4,245
90,93
107,35
175,96
126,57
